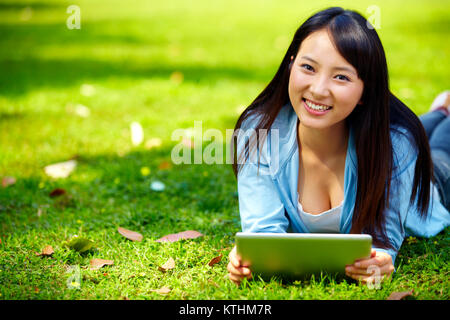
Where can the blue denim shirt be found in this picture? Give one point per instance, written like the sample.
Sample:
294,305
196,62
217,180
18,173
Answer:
268,191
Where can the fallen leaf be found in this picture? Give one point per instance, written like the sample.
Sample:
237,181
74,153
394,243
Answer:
47,251
399,295
189,234
63,201
164,165
152,143
57,192
8,181
177,77
137,133
80,244
170,264
131,235
163,290
215,260
61,169
98,263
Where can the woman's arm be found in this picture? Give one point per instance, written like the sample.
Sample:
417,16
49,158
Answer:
261,210
260,207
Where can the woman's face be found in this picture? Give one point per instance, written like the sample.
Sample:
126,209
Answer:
323,87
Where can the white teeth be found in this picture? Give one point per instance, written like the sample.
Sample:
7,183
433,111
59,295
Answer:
315,106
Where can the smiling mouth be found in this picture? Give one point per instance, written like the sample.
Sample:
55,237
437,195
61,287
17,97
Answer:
317,107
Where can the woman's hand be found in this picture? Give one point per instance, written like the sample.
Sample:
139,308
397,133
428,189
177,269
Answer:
367,270
237,272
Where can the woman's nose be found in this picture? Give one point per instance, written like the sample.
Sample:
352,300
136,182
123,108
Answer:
320,87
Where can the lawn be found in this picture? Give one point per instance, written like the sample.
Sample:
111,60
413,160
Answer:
73,94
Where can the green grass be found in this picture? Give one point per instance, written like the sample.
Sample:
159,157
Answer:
227,51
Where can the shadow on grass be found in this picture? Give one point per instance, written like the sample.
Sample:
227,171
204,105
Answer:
11,116
34,35
19,77
20,5
22,70
323,278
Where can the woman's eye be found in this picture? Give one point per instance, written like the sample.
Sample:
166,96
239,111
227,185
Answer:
343,77
307,67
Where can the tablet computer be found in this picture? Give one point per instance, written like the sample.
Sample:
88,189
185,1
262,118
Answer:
296,255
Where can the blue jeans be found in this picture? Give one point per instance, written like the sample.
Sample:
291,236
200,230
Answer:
437,128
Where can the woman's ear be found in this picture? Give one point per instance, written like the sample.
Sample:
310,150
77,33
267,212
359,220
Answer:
290,63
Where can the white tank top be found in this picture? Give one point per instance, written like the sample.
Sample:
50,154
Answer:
325,222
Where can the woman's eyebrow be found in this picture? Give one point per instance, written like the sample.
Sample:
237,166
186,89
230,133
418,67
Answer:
335,68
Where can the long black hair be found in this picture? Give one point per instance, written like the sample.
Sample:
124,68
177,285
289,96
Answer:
360,45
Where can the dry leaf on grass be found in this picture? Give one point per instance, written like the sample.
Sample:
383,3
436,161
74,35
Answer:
399,295
131,235
177,77
189,234
215,260
57,192
137,133
47,251
170,264
80,244
164,165
61,169
98,263
163,290
8,181
153,142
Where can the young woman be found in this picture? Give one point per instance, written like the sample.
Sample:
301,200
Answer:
340,154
